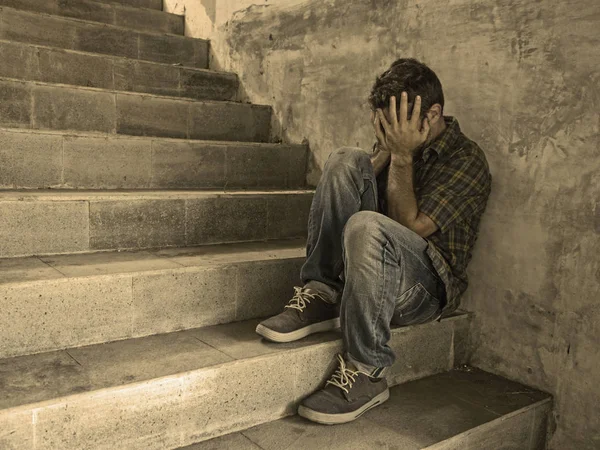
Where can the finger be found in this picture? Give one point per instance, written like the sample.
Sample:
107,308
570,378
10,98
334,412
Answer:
392,110
374,121
378,131
383,121
426,126
403,108
416,112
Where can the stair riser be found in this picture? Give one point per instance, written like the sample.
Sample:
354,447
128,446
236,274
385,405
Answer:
48,107
60,32
39,160
54,227
61,313
180,410
32,63
113,14
525,430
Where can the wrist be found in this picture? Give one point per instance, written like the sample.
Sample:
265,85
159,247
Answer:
401,161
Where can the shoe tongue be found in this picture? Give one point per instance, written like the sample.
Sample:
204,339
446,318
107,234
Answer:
350,366
336,391
320,295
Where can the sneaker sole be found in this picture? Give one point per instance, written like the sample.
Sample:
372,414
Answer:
334,419
276,336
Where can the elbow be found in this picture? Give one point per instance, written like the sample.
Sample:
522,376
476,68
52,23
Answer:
423,226
419,229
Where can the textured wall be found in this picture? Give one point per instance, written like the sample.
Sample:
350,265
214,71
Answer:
522,78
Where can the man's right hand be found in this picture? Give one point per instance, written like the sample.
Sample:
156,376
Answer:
379,158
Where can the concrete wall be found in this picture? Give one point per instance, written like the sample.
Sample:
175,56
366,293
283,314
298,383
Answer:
522,78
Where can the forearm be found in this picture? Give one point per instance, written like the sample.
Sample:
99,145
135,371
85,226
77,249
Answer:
400,195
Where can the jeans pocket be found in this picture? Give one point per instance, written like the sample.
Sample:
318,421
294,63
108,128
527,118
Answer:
418,306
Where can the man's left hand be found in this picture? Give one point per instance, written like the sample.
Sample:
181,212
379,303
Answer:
401,137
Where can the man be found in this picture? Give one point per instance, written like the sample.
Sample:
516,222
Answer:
389,238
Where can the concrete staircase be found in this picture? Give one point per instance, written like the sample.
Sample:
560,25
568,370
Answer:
147,223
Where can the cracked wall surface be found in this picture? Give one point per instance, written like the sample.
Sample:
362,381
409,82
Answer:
522,78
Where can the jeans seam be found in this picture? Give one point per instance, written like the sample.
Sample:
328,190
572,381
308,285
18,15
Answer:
412,311
409,292
380,307
373,186
360,191
419,258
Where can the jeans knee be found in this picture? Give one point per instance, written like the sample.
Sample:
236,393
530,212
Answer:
346,158
362,227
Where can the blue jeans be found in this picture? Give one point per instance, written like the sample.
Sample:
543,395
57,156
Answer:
377,268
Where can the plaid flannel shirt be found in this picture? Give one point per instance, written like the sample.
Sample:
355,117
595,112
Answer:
452,183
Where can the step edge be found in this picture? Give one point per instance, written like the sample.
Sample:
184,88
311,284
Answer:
118,5
101,24
55,195
135,94
116,2
490,424
182,269
57,400
102,55
110,136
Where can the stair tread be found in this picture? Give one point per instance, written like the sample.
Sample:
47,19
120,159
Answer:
97,134
419,414
51,376
35,269
131,93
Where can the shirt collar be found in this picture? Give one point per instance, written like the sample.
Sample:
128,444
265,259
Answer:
445,140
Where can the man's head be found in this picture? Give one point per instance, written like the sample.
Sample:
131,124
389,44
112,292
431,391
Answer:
415,78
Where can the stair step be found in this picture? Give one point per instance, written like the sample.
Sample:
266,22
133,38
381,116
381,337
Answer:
31,104
38,160
37,63
55,222
56,302
140,19
76,34
466,409
172,390
151,4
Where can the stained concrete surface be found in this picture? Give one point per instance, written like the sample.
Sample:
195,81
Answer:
43,159
184,389
113,14
55,31
421,414
522,79
63,301
55,65
44,106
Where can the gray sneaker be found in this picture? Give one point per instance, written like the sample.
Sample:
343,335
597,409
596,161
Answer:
306,313
346,396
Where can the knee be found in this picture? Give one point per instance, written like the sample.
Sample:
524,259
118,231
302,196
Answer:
362,228
347,158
